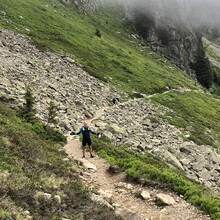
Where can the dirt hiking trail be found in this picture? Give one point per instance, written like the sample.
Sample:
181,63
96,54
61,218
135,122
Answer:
122,195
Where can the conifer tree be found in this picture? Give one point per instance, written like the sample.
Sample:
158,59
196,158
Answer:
202,67
52,113
28,111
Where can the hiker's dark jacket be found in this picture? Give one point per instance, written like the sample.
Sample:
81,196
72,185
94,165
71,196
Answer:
86,132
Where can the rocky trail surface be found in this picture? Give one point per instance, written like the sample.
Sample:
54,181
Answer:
116,192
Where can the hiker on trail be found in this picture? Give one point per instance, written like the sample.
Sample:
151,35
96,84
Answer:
86,130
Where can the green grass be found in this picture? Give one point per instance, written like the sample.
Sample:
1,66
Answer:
147,170
210,52
200,111
115,57
32,162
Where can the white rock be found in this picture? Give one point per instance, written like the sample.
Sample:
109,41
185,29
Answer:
89,166
165,199
26,212
57,198
145,195
66,159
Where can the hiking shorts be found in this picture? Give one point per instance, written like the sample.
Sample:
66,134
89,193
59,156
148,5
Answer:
86,141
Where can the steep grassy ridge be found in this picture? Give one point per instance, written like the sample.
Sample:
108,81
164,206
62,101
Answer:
116,56
30,163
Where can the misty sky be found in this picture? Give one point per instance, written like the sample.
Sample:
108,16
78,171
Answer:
197,11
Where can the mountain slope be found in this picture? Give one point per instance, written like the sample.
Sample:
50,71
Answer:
119,57
116,56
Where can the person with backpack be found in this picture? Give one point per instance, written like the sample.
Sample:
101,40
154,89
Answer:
86,140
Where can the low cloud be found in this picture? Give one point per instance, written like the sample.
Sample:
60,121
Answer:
198,12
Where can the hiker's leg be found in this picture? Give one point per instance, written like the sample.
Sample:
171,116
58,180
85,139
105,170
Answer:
90,151
84,151
84,148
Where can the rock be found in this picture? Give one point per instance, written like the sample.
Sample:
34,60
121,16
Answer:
215,157
26,212
205,175
100,124
89,165
66,159
100,200
165,199
173,160
42,196
57,198
105,194
190,128
138,95
185,161
116,129
108,134
70,60
145,195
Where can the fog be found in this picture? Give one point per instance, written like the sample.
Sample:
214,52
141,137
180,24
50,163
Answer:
198,12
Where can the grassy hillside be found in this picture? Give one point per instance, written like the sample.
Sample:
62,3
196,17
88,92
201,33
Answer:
31,163
116,56
197,111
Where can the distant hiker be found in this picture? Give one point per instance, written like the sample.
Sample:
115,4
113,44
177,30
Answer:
86,130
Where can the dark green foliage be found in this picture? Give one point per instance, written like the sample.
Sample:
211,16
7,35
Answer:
164,35
202,67
98,33
216,75
147,170
50,133
28,111
52,113
31,161
143,22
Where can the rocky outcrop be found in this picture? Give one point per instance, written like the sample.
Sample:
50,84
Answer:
143,130
165,28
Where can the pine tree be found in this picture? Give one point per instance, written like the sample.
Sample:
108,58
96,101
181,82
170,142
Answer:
52,113
202,67
28,111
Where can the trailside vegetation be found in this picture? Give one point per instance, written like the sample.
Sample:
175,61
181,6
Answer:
202,67
30,164
148,170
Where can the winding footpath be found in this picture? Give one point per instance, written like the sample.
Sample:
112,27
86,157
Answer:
119,194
